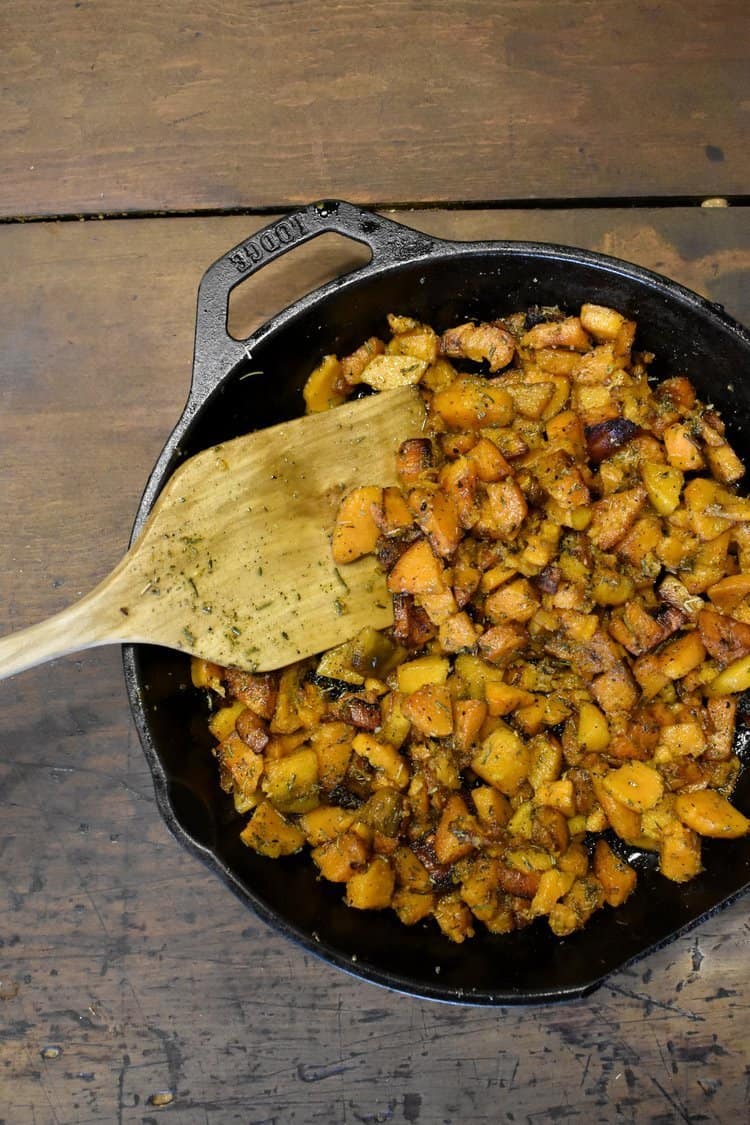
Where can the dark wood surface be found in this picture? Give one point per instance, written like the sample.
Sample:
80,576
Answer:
108,107
129,976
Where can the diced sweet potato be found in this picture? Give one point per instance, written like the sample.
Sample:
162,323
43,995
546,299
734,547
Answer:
458,632
680,854
500,642
724,638
291,783
437,516
681,449
457,833
419,340
503,511
382,756
270,834
515,601
325,386
503,760
728,592
618,879
635,785
371,889
561,480
454,917
724,463
502,699
354,364
530,400
601,322
340,859
682,655
710,814
417,571
663,484
414,458
471,404
356,530
429,709
614,515
567,333
488,461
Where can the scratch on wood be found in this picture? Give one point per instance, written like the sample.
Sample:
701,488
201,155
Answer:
679,1109
649,1003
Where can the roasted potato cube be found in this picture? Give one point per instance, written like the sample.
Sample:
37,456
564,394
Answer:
614,515
502,511
291,783
601,322
682,451
635,785
356,530
325,386
618,879
418,571
386,372
680,854
567,333
371,889
471,404
457,833
503,760
454,917
710,814
479,342
429,709
663,484
270,834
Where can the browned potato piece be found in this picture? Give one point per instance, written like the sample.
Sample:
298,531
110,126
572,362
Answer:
725,638
479,342
617,878
471,404
503,511
612,517
417,571
356,530
567,333
353,365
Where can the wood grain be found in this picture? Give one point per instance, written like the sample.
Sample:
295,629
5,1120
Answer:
128,975
112,107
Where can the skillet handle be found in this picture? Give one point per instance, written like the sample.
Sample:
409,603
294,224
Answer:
216,352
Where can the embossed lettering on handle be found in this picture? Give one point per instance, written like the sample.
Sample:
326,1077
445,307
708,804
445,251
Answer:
269,241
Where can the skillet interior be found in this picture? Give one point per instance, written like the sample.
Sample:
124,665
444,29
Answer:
689,337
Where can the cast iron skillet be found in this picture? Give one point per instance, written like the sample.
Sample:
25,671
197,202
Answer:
258,382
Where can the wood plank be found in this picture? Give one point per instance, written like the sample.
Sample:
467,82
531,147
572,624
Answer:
125,107
128,972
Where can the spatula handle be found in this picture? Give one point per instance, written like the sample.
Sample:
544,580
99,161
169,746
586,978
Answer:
73,629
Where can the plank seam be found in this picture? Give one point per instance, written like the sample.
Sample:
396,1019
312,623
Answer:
548,204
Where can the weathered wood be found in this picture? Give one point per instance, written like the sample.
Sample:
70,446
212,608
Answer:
124,107
126,970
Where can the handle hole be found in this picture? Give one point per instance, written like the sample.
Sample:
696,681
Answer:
281,282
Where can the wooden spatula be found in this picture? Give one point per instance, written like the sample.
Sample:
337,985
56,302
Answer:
234,563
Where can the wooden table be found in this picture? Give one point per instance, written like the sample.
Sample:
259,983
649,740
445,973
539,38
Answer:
132,984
